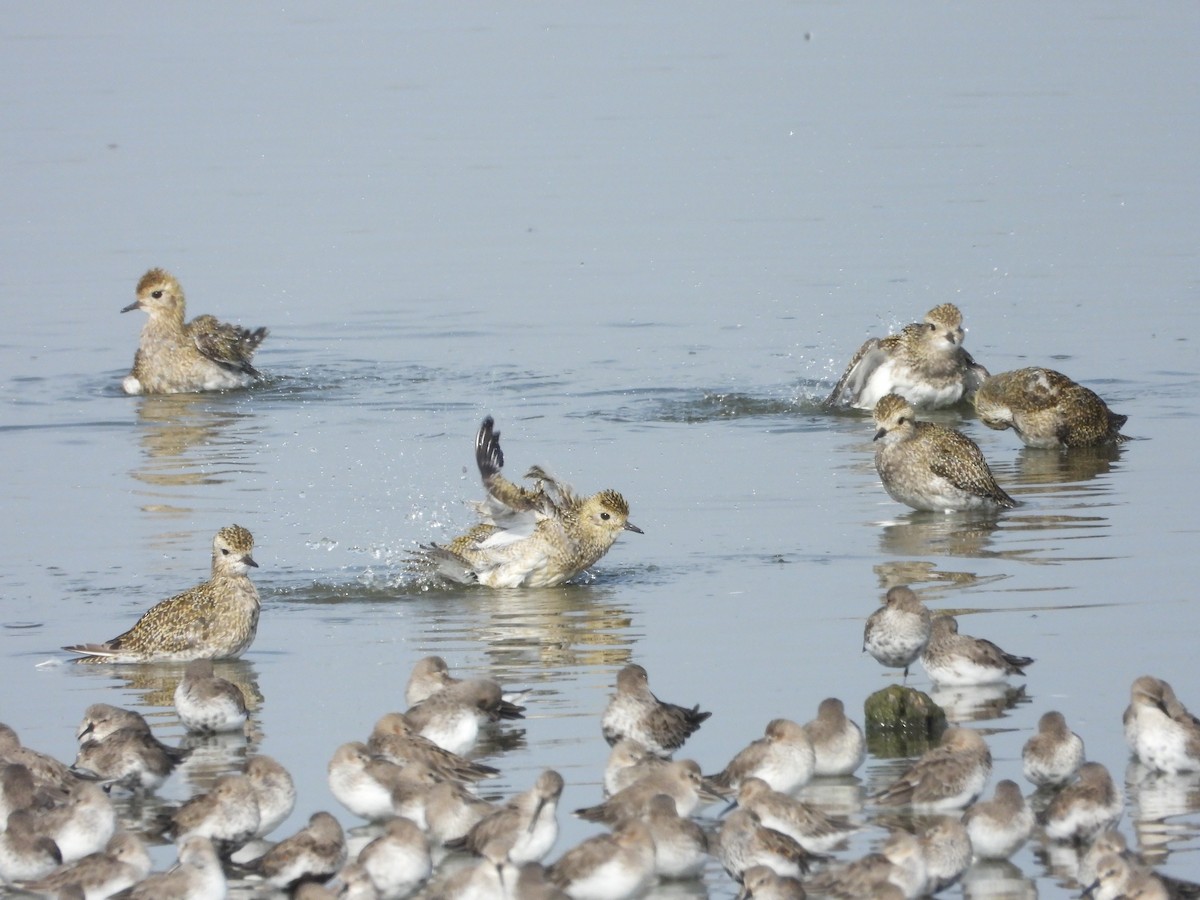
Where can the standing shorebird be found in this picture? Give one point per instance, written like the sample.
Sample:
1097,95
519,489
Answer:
214,620
634,713
930,467
897,632
1047,409
1159,729
529,538
957,659
1052,756
176,357
924,362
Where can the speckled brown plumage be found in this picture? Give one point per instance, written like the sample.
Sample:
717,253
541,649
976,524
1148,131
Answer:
1047,409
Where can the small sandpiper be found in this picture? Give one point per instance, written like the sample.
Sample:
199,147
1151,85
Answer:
430,674
524,829
628,762
122,863
128,757
764,883
228,815
214,620
634,713
1047,409
838,744
897,632
811,828
451,811
930,467
1120,878
197,875
1160,731
946,847
607,866
314,853
1084,808
43,770
376,789
398,860
945,778
176,357
26,853
451,717
395,740
783,757
897,870
82,824
743,842
959,660
680,845
529,538
924,362
998,827
207,703
680,780
274,789
1052,756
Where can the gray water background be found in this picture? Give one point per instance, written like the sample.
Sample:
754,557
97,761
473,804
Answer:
645,237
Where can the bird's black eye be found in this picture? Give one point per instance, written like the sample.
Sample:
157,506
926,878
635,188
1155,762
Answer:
932,327
224,551
157,295
605,516
901,420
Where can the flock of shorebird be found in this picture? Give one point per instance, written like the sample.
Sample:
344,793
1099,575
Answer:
414,775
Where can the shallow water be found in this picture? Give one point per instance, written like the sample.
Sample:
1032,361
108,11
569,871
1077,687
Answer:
645,240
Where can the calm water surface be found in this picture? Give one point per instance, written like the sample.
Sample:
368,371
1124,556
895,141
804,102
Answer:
646,239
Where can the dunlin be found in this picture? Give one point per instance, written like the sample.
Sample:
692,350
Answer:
537,537
102,719
197,876
924,362
122,863
1053,755
529,881
274,790
898,869
451,718
398,860
945,778
959,660
524,829
680,780
744,842
837,742
897,632
998,827
43,769
19,790
930,467
208,703
82,824
1119,878
395,739
634,713
810,827
26,853
215,620
607,866
946,846
1047,409
783,757
1084,808
128,757
430,674
451,811
228,815
376,789
627,762
314,853
175,356
680,845
1159,729
764,883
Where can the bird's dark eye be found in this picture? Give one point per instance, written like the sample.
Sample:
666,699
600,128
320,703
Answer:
157,295
605,516
901,420
224,551
932,327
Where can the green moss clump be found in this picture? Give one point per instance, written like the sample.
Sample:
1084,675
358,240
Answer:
902,722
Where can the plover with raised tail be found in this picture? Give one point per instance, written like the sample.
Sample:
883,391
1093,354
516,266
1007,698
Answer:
946,846
451,718
1053,755
897,632
1047,409
897,870
394,738
809,826
998,827
314,853
1084,808
130,757
783,757
1160,731
524,829
26,853
215,620
945,778
680,780
680,845
743,842
924,362
764,883
634,713
930,467
607,866
207,703
837,741
959,660
175,356
398,860
274,789
122,863
537,537
228,815
627,762
197,875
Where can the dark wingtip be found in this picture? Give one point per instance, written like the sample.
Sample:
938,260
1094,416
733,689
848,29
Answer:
488,455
